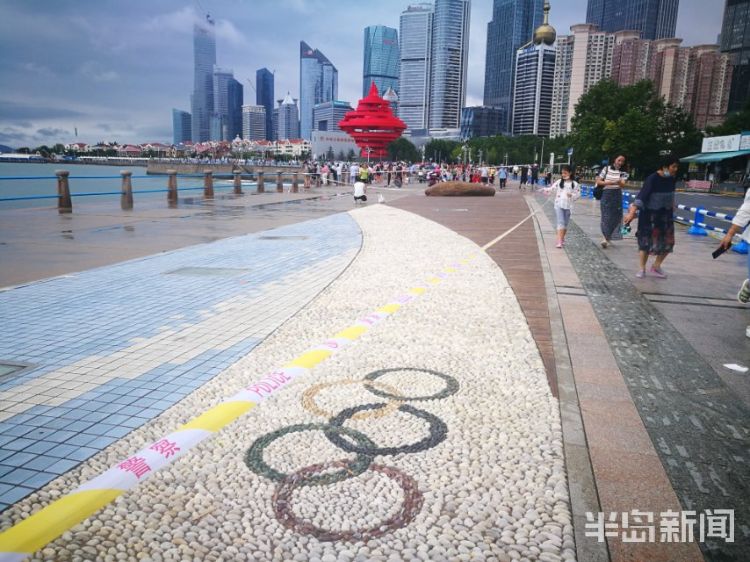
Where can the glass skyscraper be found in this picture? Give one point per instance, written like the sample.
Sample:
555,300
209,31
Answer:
414,72
287,119
264,80
181,126
450,50
318,83
655,19
513,23
381,59
202,100
226,121
735,40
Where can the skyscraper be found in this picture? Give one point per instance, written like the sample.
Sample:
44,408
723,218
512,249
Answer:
181,126
226,121
318,82
535,74
234,109
202,100
287,119
254,122
513,24
735,40
264,85
381,59
655,19
584,59
450,50
414,70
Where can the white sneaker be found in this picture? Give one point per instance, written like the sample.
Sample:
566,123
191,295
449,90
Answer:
747,331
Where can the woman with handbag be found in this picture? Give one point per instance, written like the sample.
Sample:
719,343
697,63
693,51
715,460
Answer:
610,181
655,203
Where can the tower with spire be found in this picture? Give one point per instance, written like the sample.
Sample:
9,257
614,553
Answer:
534,78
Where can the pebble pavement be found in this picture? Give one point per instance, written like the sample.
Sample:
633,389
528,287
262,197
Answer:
433,437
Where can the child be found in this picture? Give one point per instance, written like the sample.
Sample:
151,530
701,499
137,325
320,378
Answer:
566,191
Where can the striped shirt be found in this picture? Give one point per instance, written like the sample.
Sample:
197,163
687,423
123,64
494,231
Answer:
611,174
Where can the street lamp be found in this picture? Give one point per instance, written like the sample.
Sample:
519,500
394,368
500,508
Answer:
368,150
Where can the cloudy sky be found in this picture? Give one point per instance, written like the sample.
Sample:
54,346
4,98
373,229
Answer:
114,69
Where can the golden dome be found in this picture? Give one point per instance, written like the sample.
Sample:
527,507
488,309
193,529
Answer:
545,33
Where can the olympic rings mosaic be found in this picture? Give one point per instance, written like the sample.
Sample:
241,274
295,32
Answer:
357,443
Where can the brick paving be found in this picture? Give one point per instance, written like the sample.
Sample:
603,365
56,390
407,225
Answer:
482,219
696,424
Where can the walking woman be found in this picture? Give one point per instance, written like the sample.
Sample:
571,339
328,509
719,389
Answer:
612,179
566,191
655,203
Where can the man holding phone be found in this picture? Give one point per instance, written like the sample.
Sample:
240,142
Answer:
740,221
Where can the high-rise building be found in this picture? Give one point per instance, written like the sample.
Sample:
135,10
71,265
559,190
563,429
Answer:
181,126
264,85
513,24
450,50
326,115
480,121
655,19
735,40
381,59
585,58
287,119
226,121
414,69
535,74
253,122
234,109
204,59
697,79
318,82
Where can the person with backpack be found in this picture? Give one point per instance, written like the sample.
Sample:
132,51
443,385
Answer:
611,180
566,191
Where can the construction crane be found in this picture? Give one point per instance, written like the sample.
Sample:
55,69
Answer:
251,85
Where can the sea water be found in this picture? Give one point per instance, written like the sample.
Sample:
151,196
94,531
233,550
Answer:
84,178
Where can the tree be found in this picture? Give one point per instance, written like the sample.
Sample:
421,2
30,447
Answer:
440,149
403,149
630,120
352,155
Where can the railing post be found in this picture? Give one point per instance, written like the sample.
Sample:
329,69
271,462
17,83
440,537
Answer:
126,199
295,182
237,182
279,183
64,202
696,230
172,188
208,183
261,183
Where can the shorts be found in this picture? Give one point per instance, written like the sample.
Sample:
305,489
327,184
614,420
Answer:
360,198
563,217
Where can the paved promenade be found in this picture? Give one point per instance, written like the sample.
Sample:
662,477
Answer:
504,394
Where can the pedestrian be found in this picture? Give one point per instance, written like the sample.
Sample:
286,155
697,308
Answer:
612,179
524,178
740,221
354,172
515,172
655,206
534,176
502,176
566,191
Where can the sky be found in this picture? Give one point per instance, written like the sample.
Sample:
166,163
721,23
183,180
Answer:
114,69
